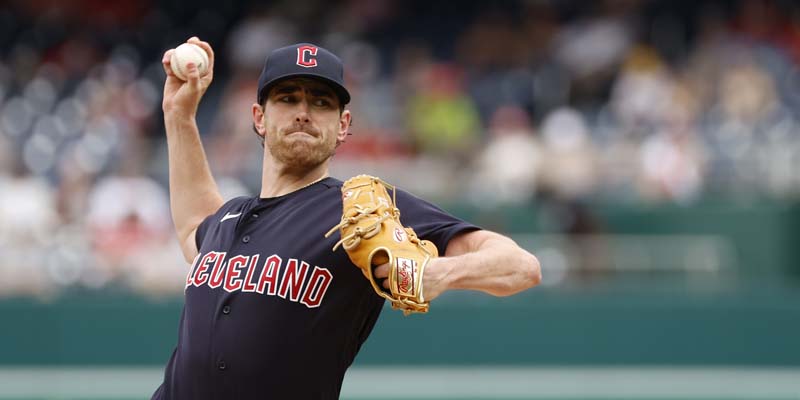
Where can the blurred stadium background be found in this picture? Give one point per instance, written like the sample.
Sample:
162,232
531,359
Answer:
647,151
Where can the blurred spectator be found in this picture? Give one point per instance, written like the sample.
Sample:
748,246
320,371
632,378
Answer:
376,133
748,120
641,96
256,36
653,109
129,221
442,118
671,167
506,169
558,102
27,222
234,150
496,59
569,162
747,94
592,47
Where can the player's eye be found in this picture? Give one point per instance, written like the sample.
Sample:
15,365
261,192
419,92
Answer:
322,102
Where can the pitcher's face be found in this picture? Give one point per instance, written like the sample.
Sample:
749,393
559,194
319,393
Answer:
302,122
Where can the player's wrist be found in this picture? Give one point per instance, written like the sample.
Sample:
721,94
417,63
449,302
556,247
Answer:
453,272
439,276
180,118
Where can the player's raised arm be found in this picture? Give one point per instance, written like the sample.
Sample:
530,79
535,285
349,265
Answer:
193,193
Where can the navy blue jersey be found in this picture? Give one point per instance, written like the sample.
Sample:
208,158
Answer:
271,311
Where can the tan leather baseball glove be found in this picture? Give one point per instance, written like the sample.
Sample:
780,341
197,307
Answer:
372,235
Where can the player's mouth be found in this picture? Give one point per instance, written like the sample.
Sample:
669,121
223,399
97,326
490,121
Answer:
301,133
301,130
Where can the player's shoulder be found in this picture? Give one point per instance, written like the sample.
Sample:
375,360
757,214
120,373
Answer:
407,199
237,203
232,208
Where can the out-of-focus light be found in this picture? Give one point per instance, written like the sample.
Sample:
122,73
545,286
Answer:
87,90
50,126
105,128
72,114
88,156
564,128
53,73
17,117
41,94
141,98
65,266
366,57
94,149
126,55
38,153
119,71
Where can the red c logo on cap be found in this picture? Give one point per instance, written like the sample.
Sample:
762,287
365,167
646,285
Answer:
304,56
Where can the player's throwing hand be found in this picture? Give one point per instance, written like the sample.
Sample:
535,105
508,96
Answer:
183,97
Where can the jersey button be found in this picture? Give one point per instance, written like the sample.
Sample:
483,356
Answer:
246,239
221,365
255,215
226,310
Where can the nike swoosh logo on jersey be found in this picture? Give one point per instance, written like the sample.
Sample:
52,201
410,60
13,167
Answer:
229,216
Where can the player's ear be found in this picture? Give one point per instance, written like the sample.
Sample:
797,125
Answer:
258,120
344,126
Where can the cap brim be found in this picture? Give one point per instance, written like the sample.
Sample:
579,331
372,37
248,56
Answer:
341,92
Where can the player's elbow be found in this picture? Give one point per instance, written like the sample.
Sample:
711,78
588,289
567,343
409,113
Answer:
533,271
529,271
525,275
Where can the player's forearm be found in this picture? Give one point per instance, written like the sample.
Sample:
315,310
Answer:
499,267
193,192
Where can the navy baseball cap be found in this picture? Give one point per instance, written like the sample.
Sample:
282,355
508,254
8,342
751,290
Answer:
303,60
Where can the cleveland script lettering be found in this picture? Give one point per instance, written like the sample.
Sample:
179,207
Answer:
293,280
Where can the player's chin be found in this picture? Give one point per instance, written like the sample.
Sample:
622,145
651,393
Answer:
302,154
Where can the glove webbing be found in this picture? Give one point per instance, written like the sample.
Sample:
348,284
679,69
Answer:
354,239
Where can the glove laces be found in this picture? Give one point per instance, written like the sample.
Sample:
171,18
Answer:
359,212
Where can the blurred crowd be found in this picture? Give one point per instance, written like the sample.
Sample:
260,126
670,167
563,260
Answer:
493,104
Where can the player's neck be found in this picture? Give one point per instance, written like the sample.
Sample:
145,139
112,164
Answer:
277,181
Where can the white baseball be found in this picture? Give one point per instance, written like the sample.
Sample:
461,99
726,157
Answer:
185,54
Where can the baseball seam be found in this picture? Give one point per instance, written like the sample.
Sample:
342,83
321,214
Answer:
181,74
203,59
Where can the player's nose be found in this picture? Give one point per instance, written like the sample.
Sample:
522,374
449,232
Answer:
302,112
